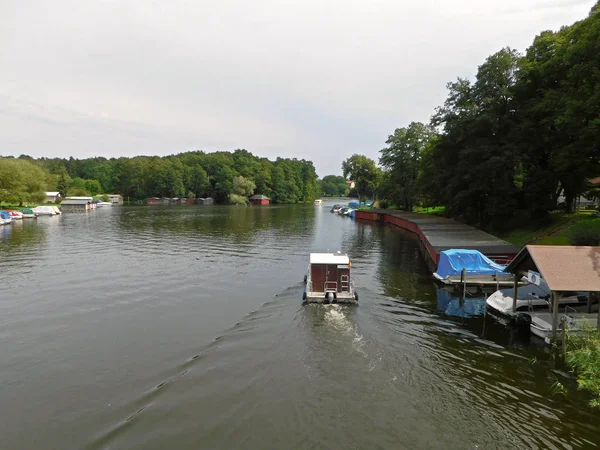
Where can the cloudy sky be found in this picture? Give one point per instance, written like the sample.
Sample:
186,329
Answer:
314,79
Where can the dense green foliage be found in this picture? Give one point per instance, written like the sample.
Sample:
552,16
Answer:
21,181
523,133
585,233
198,174
583,355
365,174
334,186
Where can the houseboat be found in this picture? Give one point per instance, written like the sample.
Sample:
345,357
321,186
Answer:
328,279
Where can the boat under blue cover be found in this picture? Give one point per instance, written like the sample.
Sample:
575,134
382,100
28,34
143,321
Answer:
476,263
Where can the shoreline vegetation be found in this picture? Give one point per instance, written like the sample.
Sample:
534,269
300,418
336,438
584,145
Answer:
511,152
228,177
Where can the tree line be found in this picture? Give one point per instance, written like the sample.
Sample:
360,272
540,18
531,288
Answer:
523,134
225,176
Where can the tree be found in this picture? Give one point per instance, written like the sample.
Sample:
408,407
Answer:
93,187
21,180
242,189
363,171
334,185
402,157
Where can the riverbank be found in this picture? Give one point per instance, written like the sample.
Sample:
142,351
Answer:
438,233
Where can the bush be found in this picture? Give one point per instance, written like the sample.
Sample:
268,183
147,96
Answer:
384,204
587,233
583,356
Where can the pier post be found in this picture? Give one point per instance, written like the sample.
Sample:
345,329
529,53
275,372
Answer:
554,315
463,280
516,286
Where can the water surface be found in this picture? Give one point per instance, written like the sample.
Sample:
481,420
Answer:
182,327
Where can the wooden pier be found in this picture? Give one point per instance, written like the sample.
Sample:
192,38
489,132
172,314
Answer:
439,233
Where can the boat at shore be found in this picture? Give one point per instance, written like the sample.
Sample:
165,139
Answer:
479,270
28,213
45,210
336,208
5,218
328,279
531,298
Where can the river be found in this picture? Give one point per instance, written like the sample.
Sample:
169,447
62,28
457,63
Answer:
182,327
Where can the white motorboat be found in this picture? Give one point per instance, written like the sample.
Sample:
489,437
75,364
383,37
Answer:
576,323
5,218
44,210
328,279
103,204
318,202
531,298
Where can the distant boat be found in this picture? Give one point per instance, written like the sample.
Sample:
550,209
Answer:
44,210
5,218
318,202
103,204
15,215
28,213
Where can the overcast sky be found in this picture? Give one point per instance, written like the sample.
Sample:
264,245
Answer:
311,79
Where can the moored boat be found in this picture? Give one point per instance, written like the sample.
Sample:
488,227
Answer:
531,298
318,202
28,213
336,208
5,218
15,215
479,270
45,210
328,279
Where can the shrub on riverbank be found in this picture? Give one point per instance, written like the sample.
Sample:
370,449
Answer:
583,356
585,233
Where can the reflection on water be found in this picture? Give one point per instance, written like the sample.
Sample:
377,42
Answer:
449,303
183,327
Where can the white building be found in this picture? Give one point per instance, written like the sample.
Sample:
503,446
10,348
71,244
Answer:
52,197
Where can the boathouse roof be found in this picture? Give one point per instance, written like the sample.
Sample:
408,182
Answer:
564,267
259,197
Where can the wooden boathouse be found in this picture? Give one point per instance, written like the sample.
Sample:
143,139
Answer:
565,268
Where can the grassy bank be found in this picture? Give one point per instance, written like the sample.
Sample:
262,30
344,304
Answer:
556,232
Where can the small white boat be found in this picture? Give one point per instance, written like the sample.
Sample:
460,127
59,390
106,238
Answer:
336,208
15,215
5,218
576,323
328,279
103,204
28,213
531,298
44,210
318,202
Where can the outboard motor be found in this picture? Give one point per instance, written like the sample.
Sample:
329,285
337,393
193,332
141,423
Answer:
522,322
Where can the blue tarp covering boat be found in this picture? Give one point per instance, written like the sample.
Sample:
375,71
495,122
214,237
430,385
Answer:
353,204
453,261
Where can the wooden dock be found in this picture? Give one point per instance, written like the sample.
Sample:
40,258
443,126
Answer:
439,233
